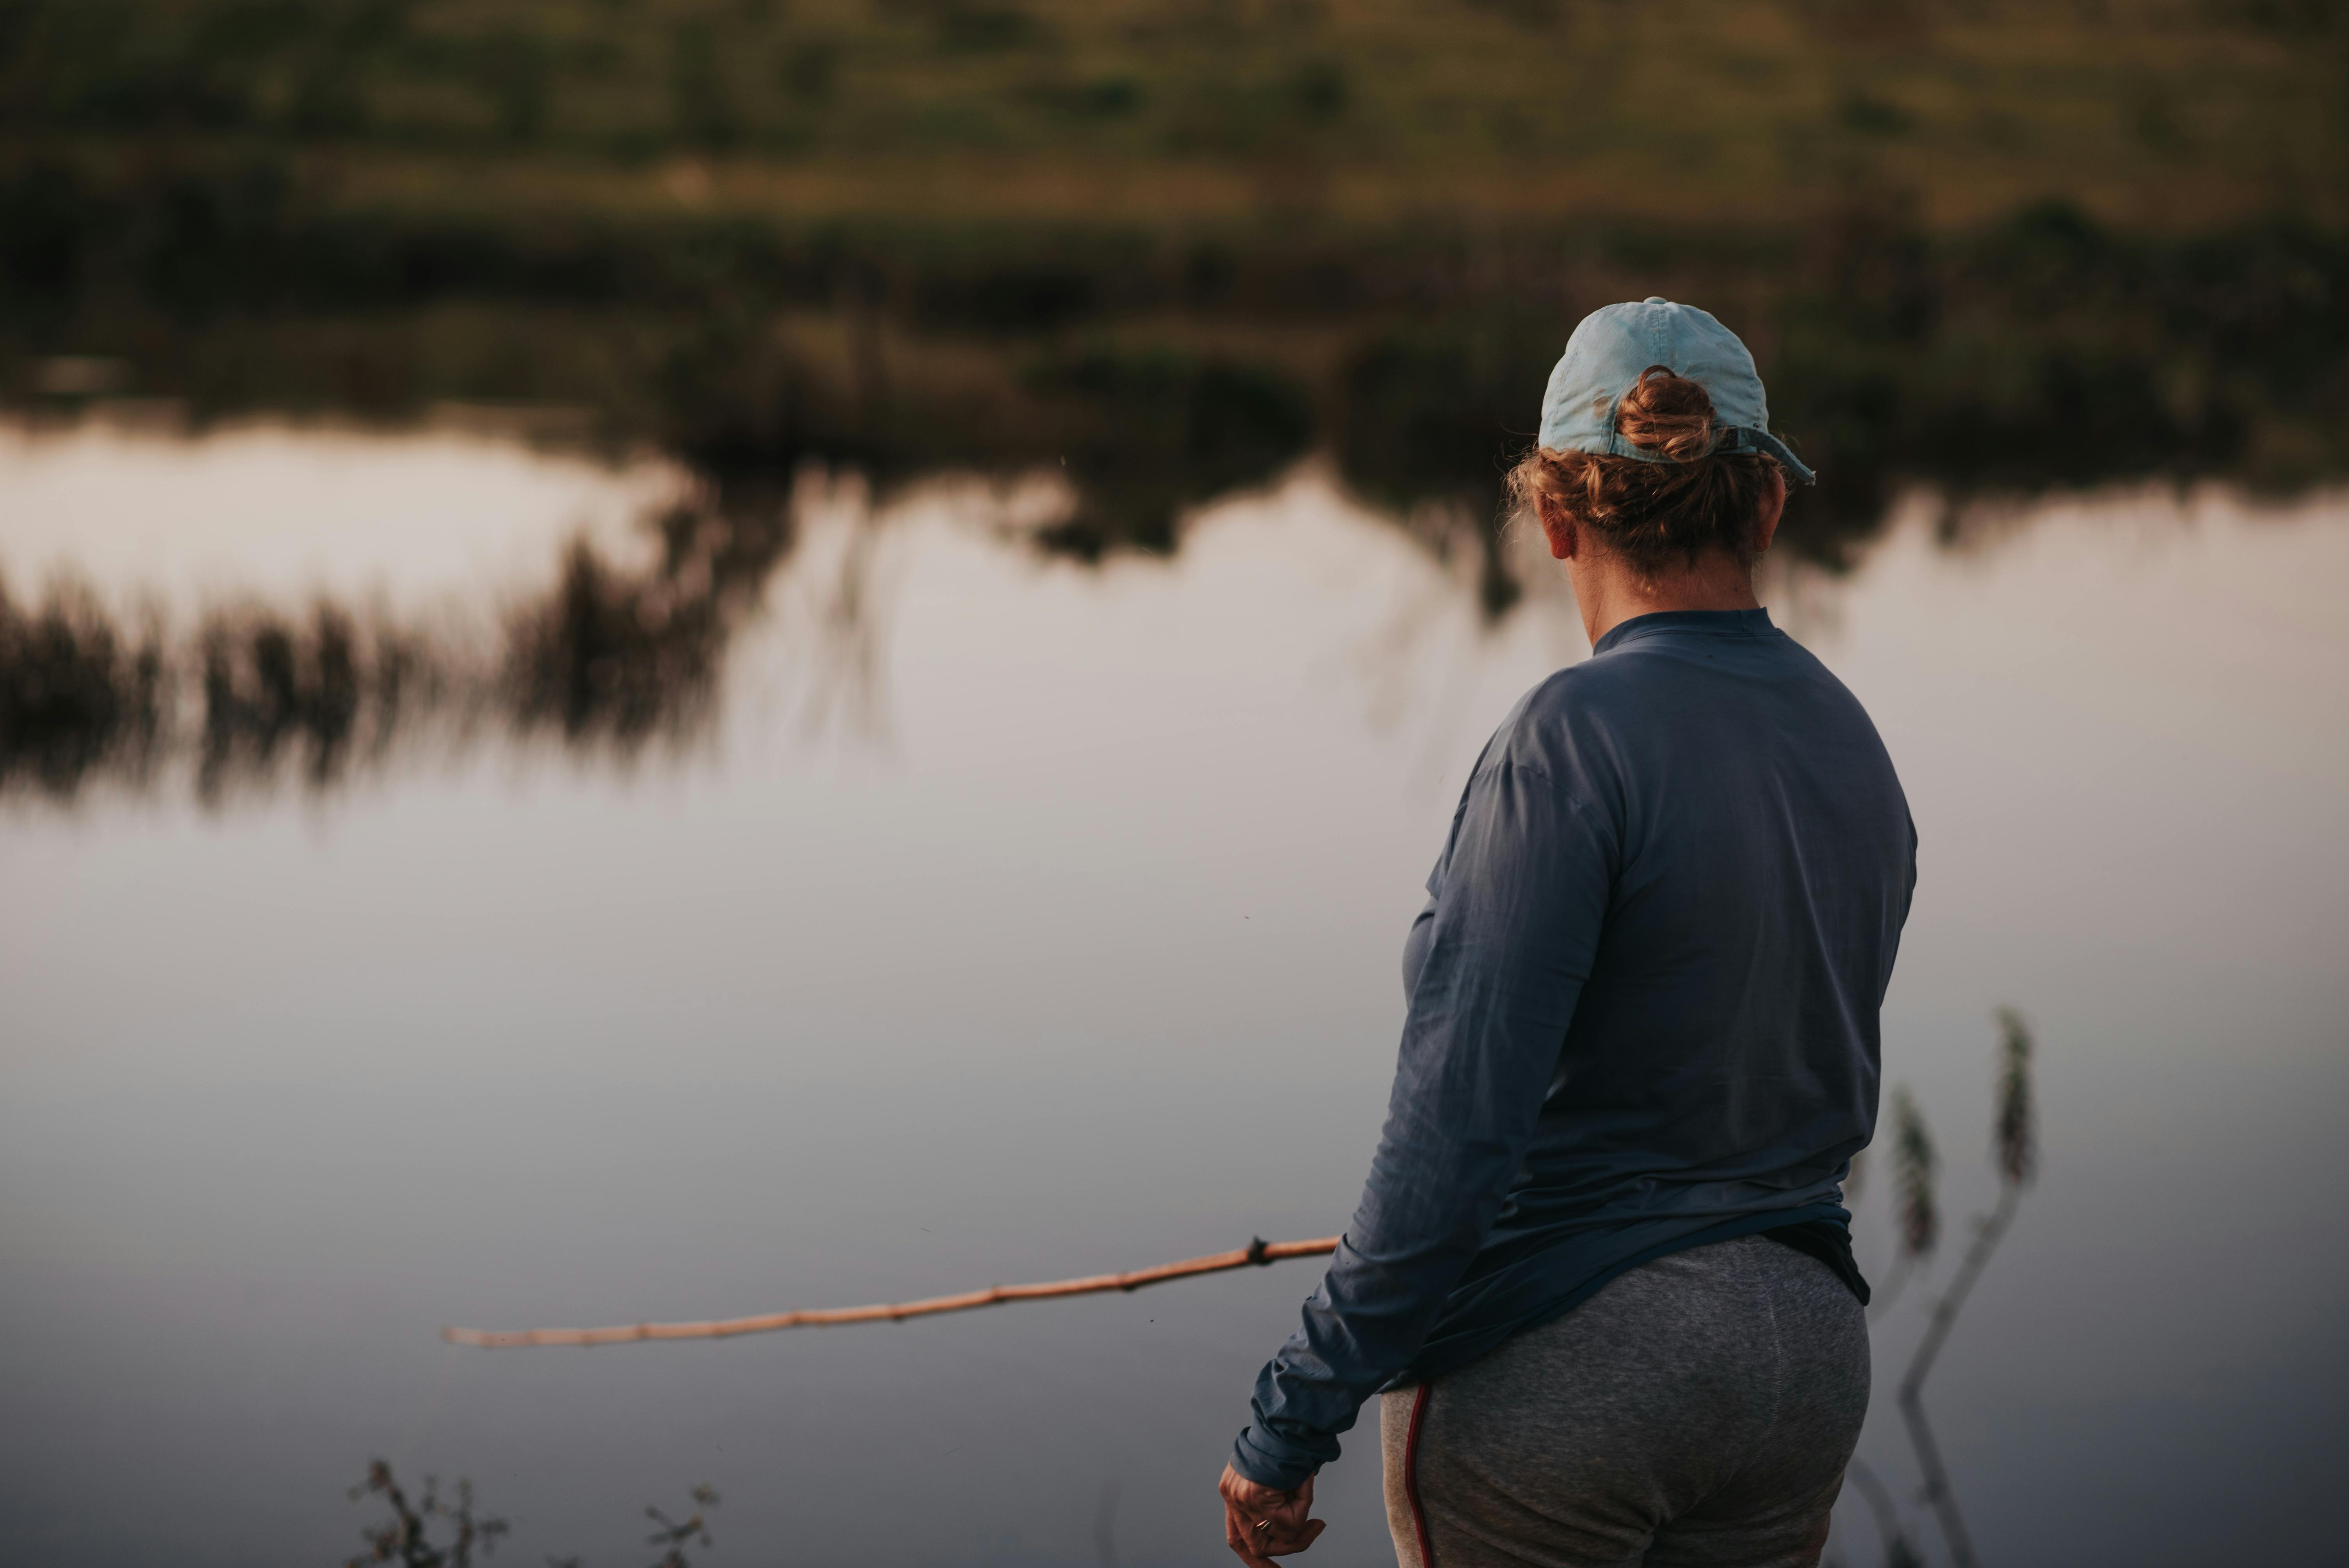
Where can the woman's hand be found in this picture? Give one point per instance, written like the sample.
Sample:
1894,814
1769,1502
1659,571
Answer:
1260,1523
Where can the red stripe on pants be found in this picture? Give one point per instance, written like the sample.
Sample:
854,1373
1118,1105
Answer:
1410,1475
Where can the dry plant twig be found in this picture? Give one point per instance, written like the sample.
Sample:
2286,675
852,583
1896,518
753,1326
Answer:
1258,1252
2016,1148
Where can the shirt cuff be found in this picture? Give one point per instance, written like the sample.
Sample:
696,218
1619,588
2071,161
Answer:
1270,1460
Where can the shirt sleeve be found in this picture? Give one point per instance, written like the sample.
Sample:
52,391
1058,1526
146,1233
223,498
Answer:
1501,957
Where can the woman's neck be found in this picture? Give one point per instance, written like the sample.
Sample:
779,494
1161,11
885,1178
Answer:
1609,593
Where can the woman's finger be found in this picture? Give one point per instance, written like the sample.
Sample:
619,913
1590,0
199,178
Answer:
1241,1535
1236,1533
1278,1542
1275,1536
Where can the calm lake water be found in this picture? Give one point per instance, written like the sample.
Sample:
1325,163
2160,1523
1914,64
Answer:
1005,919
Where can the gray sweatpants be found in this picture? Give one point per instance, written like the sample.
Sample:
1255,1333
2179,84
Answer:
1699,1410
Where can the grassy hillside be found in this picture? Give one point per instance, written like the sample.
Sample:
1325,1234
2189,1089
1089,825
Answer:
2160,114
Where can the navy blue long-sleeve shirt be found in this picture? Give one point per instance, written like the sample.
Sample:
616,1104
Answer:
1643,1008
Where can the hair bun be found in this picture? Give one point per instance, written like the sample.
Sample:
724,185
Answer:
1667,414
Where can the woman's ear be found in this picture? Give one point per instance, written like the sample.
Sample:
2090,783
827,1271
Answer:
1774,507
1558,527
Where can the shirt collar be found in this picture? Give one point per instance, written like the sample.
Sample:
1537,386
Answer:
1706,623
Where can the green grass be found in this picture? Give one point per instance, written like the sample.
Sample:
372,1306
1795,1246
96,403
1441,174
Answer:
2161,114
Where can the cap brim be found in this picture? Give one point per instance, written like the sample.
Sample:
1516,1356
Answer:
1762,442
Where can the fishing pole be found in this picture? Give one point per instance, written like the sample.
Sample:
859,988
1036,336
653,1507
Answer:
1259,1253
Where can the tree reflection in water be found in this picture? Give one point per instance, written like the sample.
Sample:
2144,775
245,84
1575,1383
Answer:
2041,352
609,660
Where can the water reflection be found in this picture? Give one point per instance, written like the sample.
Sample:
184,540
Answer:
626,644
288,1089
612,657
74,698
2042,351
625,648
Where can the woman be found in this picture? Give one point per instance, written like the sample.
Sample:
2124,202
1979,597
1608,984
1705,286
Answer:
1601,1271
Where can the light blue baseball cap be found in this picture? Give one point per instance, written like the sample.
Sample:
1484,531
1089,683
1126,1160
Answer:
1606,356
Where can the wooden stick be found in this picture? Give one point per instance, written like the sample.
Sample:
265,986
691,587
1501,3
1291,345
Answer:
1258,1252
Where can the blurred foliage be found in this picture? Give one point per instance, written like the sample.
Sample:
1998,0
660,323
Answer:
2016,1131
407,1538
608,660
431,1534
1915,1168
1172,246
676,1534
76,693
2044,350
2166,111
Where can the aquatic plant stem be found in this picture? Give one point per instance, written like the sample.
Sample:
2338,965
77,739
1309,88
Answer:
1258,1252
1885,1512
1886,1295
1938,1492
